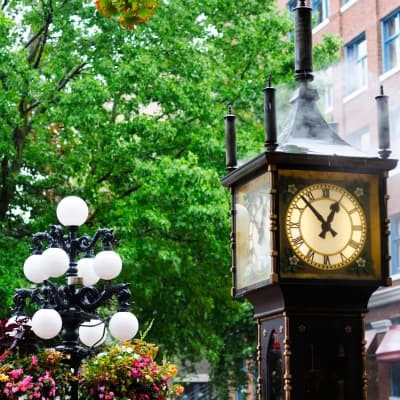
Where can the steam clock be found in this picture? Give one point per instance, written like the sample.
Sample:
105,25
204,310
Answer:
309,243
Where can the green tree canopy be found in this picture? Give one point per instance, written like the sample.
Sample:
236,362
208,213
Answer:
132,121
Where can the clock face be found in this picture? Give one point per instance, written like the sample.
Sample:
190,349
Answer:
252,255
326,226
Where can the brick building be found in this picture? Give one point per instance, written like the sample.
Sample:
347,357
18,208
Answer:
370,30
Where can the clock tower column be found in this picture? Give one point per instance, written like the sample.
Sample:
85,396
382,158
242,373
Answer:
309,244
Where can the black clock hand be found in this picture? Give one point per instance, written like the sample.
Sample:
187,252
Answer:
316,213
326,226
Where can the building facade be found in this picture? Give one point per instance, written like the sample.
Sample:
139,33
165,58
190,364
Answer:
370,59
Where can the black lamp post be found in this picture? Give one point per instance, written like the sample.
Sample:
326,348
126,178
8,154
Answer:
71,310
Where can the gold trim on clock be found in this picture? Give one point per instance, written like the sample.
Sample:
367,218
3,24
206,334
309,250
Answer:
326,226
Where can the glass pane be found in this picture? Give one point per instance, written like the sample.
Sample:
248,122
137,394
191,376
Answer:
350,55
395,369
391,54
363,71
392,27
362,49
275,368
396,265
253,262
318,11
357,72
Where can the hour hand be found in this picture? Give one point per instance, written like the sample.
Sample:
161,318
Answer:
312,208
326,226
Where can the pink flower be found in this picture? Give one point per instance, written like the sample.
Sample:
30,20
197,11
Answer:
25,384
16,373
135,373
34,361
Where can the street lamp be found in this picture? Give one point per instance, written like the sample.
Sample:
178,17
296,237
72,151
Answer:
71,310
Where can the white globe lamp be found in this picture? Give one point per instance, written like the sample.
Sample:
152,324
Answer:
55,261
92,333
34,269
123,325
86,271
107,264
72,211
46,323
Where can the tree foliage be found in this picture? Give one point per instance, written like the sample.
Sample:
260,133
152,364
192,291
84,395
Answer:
132,121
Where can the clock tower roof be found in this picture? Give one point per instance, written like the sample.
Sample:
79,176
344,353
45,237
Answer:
306,131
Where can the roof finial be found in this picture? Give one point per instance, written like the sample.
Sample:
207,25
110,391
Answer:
270,117
382,103
230,140
303,42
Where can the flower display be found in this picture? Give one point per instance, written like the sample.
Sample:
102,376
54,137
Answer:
41,376
128,13
120,372
128,371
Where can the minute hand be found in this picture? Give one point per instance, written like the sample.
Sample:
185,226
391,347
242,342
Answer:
316,213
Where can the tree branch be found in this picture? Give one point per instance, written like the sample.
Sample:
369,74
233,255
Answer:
75,71
4,4
38,42
61,84
129,191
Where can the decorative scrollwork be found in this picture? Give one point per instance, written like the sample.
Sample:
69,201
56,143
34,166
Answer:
70,243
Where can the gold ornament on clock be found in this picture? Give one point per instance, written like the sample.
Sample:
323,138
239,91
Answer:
326,226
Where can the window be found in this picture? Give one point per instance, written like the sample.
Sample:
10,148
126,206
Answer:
391,41
395,245
395,372
320,10
395,131
360,140
356,64
324,81
197,391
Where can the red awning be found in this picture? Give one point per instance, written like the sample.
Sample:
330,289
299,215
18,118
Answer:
370,335
389,349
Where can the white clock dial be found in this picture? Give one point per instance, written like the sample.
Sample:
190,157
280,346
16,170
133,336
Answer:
326,226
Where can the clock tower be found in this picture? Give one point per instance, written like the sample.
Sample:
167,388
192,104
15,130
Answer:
309,242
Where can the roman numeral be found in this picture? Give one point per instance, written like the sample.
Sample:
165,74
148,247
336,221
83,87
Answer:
294,225
353,211
327,261
309,195
310,254
325,192
354,244
357,228
343,257
297,242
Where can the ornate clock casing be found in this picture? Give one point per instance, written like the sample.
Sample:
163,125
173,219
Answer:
330,225
309,218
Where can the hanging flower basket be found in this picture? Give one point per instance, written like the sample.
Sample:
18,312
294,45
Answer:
44,375
128,13
128,371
